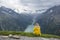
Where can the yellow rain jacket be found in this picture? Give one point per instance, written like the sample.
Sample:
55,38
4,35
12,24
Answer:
37,30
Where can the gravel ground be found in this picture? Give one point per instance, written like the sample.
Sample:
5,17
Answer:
27,38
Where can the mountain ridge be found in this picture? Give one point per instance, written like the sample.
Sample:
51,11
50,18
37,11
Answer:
13,19
50,20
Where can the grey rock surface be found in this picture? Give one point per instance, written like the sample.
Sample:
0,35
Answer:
27,38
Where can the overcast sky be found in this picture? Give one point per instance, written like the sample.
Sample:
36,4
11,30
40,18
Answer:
30,5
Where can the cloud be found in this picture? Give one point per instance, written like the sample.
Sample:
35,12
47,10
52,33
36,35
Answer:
40,3
13,4
29,4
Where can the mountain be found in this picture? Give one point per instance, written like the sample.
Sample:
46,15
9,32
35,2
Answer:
12,21
50,20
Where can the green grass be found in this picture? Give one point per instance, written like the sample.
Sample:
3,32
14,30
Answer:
27,34
50,36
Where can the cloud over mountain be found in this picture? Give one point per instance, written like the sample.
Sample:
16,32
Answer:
29,5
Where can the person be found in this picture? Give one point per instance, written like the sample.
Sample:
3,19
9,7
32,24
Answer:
37,30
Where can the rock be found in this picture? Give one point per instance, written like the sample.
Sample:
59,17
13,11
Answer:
14,36
10,35
4,36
